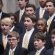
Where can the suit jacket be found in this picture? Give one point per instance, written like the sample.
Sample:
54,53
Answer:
18,51
43,52
4,15
45,14
48,44
52,25
20,25
17,15
50,51
1,41
1,45
31,41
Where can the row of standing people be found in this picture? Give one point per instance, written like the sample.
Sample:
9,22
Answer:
29,22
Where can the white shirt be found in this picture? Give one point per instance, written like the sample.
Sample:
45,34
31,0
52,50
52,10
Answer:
0,14
12,28
21,13
41,12
39,51
26,38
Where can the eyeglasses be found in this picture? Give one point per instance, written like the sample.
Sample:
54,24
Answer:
11,39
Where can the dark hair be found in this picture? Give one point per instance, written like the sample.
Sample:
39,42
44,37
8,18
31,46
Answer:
26,1
31,5
32,17
14,34
53,31
40,35
15,17
53,1
43,19
45,22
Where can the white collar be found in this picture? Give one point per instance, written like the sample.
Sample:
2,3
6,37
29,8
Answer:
42,8
12,28
30,30
22,10
4,36
52,15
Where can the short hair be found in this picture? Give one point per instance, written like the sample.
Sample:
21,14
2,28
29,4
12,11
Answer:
40,35
13,34
53,1
53,31
26,1
15,17
6,20
31,5
32,17
43,19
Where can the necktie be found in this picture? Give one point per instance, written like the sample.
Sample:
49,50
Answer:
20,15
49,21
25,41
48,24
41,13
11,52
37,52
4,41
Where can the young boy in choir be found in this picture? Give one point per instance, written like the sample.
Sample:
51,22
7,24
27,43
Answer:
13,18
14,22
39,44
14,45
27,39
30,9
6,25
41,25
